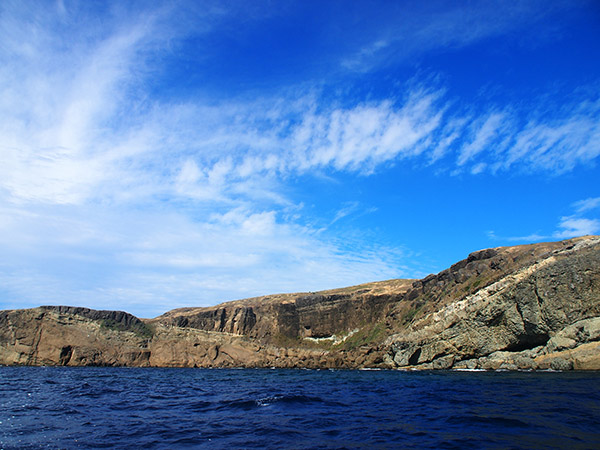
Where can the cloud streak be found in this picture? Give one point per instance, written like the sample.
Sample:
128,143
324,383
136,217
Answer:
587,204
452,26
99,257
574,226
112,195
96,134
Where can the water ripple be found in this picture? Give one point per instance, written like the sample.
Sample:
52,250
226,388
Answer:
85,408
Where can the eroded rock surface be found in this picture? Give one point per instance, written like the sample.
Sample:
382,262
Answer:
550,306
526,307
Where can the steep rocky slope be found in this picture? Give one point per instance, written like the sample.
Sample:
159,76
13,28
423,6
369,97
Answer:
317,315
60,335
526,307
543,313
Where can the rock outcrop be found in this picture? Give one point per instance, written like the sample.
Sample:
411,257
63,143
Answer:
524,319
526,307
59,335
272,318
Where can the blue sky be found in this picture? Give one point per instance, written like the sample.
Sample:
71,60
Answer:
155,155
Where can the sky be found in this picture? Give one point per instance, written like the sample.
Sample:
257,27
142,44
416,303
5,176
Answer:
155,155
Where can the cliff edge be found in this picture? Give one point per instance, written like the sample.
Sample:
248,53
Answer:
525,307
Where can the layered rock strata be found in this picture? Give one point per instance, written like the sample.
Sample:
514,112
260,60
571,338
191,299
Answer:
545,314
526,307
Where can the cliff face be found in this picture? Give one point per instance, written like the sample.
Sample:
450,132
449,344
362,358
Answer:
527,307
544,314
292,316
59,335
285,330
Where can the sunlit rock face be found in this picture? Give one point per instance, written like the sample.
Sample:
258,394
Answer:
517,308
536,315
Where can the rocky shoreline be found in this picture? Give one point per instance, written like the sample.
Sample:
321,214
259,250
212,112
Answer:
529,307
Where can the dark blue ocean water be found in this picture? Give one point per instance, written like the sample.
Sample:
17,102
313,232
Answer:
84,408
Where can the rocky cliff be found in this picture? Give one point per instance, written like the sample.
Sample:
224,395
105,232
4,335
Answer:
526,307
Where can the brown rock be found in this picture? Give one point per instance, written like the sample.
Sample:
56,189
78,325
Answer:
526,307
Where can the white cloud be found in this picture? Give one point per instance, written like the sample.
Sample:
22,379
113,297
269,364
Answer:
586,205
57,99
450,133
574,226
93,138
558,145
478,168
148,262
109,198
349,208
75,119
485,132
555,145
361,138
433,25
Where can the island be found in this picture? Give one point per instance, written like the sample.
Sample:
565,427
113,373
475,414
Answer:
527,307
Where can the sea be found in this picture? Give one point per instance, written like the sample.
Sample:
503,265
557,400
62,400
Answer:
157,408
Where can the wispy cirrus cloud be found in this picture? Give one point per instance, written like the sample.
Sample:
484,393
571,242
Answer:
58,97
364,137
559,144
152,261
358,139
484,132
112,195
97,135
587,204
452,27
